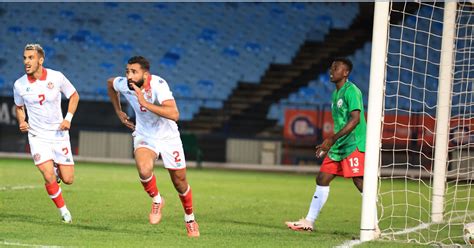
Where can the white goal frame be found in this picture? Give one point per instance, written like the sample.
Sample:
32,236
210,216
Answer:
375,116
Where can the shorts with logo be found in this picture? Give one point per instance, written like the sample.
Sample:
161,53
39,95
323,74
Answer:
43,150
351,166
171,150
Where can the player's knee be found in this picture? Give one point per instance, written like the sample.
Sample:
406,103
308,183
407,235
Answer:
322,180
144,169
67,179
144,173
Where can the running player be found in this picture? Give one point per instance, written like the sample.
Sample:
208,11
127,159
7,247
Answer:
345,149
39,90
155,133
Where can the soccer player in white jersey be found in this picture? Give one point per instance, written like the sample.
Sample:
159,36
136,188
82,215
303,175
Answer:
155,133
39,90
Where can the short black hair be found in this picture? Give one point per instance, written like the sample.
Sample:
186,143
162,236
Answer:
345,61
144,63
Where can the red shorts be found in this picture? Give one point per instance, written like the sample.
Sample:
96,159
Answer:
351,166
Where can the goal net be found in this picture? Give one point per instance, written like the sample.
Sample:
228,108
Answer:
414,205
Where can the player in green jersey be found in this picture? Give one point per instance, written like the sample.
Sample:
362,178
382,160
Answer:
345,149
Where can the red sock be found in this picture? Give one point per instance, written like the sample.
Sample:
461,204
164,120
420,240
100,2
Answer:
187,200
54,192
150,186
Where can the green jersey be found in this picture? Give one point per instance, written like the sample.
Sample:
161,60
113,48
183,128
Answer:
344,101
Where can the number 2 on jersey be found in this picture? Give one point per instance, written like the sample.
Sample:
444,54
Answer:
176,157
41,97
65,150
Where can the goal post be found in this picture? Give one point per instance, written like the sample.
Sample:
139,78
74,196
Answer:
374,120
443,111
419,159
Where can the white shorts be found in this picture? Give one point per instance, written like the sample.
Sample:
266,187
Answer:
171,150
43,150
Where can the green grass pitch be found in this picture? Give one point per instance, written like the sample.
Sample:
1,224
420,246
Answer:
233,208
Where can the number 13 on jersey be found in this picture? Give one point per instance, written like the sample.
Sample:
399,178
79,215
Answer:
354,162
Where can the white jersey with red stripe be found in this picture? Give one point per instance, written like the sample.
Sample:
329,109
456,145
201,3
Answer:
149,124
42,98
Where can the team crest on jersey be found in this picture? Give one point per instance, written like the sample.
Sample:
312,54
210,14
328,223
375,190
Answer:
28,89
50,85
148,94
339,103
36,157
161,81
143,143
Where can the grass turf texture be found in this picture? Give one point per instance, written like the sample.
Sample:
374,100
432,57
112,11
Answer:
233,208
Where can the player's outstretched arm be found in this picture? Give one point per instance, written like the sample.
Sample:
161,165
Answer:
167,109
72,107
115,99
322,149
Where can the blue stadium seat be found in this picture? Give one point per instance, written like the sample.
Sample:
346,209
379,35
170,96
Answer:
170,59
61,37
207,35
111,4
66,13
230,52
184,42
182,90
135,17
15,29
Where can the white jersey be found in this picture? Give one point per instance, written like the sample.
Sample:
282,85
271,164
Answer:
149,124
42,99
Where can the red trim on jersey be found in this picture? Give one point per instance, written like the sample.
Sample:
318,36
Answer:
43,76
147,84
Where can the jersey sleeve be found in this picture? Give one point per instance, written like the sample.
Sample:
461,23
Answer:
354,99
164,93
17,97
66,86
119,84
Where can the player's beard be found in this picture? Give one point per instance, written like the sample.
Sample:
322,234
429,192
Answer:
139,83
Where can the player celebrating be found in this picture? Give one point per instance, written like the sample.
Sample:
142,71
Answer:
345,149
40,92
155,133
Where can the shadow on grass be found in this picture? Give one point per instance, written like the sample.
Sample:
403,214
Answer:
97,227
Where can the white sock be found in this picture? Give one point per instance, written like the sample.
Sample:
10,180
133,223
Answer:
188,217
319,199
157,198
63,210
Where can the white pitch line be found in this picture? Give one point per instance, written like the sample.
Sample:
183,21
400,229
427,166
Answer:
411,229
349,243
352,243
4,242
20,187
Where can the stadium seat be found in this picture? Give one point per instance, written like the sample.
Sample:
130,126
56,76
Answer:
15,29
185,43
